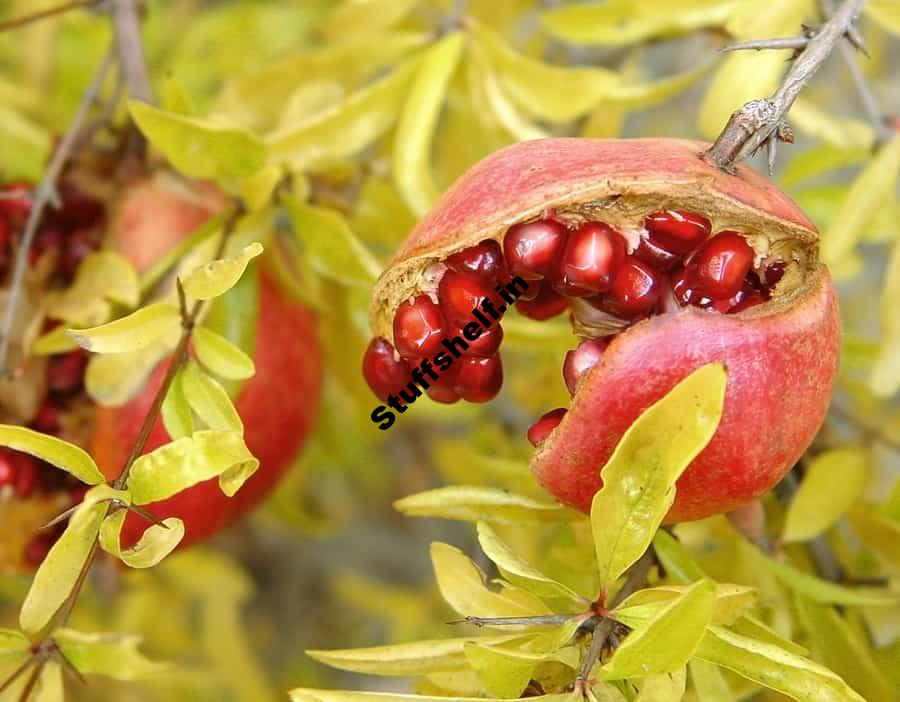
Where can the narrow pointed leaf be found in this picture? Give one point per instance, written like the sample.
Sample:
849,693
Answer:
708,682
311,695
473,504
114,379
501,674
679,564
732,601
12,643
155,543
667,687
62,454
880,533
217,277
639,478
104,275
134,332
222,357
209,400
176,412
111,655
364,18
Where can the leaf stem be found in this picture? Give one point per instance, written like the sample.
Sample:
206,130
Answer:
760,122
45,192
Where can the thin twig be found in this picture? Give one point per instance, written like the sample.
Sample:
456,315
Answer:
761,121
45,192
127,24
540,620
761,44
17,673
25,20
33,679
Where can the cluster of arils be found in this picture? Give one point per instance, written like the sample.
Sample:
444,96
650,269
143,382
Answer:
65,236
609,280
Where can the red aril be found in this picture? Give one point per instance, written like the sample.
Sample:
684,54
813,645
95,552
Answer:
592,257
487,343
635,291
686,290
26,474
484,260
418,328
7,468
546,303
677,231
544,426
382,370
444,388
65,372
479,379
532,249
720,266
656,256
581,359
459,295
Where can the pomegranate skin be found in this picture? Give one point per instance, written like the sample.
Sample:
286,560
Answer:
277,405
781,356
781,368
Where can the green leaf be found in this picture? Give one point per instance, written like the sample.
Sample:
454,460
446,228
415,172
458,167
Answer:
257,189
60,570
222,357
520,573
840,132
54,341
798,678
414,658
880,533
755,629
190,460
61,454
474,504
200,148
886,13
411,161
872,189
668,640
708,682
113,379
176,412
345,128
309,695
554,93
209,400
639,478
674,557
668,687
825,592
102,276
462,585
821,500
112,655
502,672
364,18
621,22
134,332
331,246
732,601
217,277
13,643
155,543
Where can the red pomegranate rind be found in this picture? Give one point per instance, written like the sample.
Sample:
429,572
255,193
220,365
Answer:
781,368
277,406
522,181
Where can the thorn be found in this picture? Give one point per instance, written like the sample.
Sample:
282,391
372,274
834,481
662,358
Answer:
796,43
784,132
140,511
856,39
60,517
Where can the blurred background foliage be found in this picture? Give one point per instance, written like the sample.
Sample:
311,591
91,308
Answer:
371,109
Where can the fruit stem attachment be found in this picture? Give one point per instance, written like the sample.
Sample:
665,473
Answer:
44,194
762,122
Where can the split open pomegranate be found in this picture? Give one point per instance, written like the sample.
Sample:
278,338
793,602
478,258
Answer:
664,262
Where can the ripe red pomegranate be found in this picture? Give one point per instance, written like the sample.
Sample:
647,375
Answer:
277,405
665,264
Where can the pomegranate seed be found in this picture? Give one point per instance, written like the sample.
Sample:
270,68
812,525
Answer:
444,388
581,359
656,256
773,274
532,249
685,290
47,418
384,373
635,290
479,379
65,372
459,294
541,429
38,548
26,474
78,209
593,255
720,266
677,231
8,469
418,328
15,200
484,260
750,300
4,235
546,304
487,344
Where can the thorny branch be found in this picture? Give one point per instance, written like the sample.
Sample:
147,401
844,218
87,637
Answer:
44,194
762,122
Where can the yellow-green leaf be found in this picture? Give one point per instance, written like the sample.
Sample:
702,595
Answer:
200,148
136,331
155,543
57,575
104,275
414,658
54,341
840,132
668,640
111,655
474,504
679,564
209,400
113,379
668,687
222,357
462,585
176,412
517,571
708,682
12,643
638,95
345,128
190,460
880,533
799,678
332,248
217,277
886,13
411,161
502,672
310,695
639,478
61,454
256,190
833,481
622,22
732,601
364,18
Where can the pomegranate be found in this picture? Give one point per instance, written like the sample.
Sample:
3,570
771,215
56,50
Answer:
664,263
277,405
